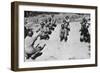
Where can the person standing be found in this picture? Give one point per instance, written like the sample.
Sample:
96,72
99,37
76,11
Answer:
66,25
62,32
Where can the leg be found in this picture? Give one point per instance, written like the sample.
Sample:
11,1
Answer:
66,38
61,37
81,39
66,34
36,55
38,52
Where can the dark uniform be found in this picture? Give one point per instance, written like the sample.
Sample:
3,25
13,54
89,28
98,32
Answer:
84,31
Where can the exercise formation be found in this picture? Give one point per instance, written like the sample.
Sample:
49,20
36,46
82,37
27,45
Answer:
85,34
65,29
40,27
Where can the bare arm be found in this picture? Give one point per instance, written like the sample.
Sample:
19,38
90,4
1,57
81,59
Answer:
35,36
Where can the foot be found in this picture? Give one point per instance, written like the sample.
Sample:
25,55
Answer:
36,55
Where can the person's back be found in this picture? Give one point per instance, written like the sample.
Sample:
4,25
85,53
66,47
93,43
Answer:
29,42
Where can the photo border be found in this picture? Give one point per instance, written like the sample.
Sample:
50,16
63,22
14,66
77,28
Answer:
15,34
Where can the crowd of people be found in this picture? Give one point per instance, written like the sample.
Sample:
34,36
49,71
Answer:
47,26
45,30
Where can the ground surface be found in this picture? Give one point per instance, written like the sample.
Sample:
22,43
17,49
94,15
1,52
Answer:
72,49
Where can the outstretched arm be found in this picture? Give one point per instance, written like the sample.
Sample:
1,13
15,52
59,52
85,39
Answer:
35,36
39,48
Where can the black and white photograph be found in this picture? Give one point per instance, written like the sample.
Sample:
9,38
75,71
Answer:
52,36
56,36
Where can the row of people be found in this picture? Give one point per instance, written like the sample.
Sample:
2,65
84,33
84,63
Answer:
47,27
85,34
64,32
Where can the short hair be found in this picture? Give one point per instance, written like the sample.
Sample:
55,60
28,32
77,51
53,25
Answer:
30,33
67,17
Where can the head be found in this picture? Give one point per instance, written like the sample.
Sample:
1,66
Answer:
89,19
67,17
52,15
42,24
84,20
62,26
30,33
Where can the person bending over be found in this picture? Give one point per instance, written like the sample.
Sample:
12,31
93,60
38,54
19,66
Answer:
30,40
